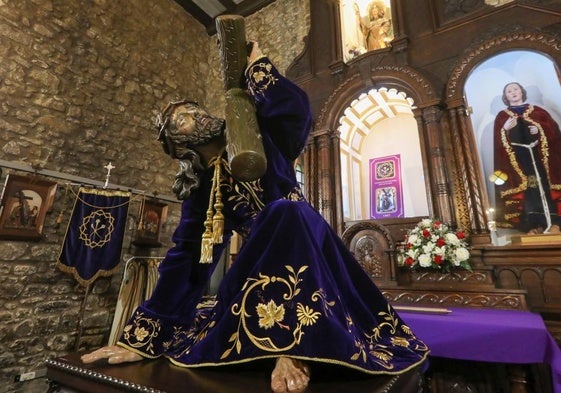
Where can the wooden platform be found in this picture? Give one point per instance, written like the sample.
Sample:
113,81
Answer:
543,238
68,374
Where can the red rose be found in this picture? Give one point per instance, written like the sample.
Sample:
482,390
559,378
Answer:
409,261
460,235
440,242
426,233
438,259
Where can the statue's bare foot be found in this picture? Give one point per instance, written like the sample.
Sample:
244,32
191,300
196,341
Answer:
554,229
289,376
114,355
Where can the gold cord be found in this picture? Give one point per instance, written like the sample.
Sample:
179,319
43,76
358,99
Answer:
141,213
214,223
218,218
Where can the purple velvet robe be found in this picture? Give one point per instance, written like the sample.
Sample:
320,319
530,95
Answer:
294,288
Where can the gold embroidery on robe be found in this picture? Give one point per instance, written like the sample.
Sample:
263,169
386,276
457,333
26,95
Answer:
140,333
271,314
260,78
383,354
242,194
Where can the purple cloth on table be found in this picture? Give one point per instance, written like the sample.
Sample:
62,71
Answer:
501,336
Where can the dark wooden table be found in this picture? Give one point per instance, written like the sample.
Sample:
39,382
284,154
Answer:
69,375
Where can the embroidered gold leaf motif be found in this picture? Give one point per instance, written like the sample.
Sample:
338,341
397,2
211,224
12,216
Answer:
238,347
140,333
269,314
259,76
306,315
407,330
400,341
226,353
386,357
361,351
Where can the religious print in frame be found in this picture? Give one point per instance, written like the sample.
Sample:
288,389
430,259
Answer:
25,203
366,25
153,215
386,194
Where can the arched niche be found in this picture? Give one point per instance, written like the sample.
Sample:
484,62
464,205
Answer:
472,178
323,153
381,160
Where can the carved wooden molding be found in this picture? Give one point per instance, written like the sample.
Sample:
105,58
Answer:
351,231
370,250
400,77
458,276
455,299
517,39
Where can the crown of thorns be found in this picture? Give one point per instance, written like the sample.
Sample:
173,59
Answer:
162,120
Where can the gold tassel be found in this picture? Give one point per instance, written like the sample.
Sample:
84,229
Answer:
206,241
218,218
218,228
206,249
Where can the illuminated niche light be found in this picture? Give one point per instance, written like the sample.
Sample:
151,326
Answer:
498,178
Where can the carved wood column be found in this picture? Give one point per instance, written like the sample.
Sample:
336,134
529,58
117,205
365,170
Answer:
325,183
310,174
336,192
429,123
324,173
469,193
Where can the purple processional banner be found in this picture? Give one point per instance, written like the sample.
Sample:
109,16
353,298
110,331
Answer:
94,238
386,194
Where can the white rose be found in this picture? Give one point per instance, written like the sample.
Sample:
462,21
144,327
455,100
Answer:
452,239
426,223
413,239
440,250
424,260
462,254
427,248
412,253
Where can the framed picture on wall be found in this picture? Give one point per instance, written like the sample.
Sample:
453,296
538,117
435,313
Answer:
386,193
24,204
153,215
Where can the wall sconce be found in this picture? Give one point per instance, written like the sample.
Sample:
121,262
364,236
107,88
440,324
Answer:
498,178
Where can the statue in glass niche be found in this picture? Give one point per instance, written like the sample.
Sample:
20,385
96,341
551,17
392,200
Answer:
527,146
376,26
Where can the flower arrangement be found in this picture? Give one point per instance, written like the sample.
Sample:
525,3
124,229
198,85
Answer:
433,245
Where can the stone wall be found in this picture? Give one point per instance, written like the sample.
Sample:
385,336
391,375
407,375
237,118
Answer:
80,85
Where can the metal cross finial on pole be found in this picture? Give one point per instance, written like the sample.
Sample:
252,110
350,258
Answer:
108,167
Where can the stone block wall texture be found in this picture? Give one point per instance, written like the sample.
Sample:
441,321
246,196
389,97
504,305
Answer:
81,82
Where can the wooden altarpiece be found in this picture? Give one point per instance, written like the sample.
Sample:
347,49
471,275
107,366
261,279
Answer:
435,47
